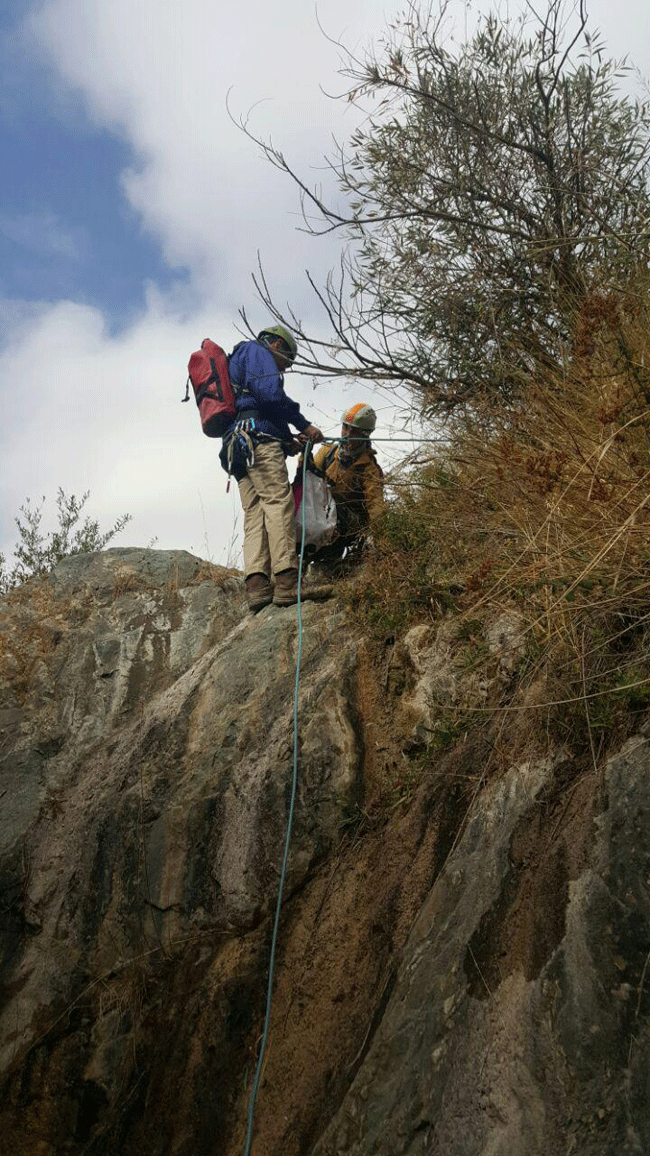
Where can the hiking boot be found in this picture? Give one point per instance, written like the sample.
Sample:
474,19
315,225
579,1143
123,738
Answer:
286,588
259,592
317,593
319,572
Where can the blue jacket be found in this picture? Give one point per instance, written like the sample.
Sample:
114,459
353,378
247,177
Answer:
260,386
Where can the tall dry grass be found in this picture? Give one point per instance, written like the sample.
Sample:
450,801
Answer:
542,507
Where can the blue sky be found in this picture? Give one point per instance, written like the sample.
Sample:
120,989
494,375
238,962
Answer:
63,230
132,213
66,229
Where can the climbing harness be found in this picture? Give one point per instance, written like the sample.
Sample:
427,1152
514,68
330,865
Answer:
240,443
287,842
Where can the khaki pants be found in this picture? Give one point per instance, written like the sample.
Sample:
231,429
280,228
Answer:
269,522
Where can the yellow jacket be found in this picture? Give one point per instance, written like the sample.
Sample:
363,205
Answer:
357,489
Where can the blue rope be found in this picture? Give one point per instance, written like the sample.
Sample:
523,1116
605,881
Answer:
371,437
285,860
292,802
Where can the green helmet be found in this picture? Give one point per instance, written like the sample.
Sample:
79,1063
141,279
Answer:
275,331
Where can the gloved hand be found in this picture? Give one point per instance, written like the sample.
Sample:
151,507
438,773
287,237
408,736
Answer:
311,434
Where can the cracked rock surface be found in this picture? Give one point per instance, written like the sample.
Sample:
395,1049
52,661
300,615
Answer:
463,962
146,759
518,1024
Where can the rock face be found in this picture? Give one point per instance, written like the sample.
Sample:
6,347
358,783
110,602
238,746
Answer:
518,1044
464,960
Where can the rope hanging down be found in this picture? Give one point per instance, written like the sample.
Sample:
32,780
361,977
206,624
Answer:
287,842
292,801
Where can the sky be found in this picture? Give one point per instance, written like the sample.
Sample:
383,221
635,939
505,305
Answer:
132,213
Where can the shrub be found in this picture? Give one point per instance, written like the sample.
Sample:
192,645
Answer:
37,553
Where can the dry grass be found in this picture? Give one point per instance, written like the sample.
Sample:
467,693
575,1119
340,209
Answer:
28,635
543,508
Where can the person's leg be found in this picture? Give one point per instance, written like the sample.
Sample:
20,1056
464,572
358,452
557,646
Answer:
331,552
257,557
327,562
270,481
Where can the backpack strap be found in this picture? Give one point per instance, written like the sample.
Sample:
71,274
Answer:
213,379
329,458
238,388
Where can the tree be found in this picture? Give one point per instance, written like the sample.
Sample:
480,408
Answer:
37,553
497,185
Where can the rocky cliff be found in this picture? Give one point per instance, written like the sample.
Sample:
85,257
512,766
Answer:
463,961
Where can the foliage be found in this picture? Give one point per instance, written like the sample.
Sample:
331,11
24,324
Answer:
495,186
37,552
547,517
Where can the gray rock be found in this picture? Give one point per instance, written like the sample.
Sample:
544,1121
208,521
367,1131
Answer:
463,966
145,794
440,680
506,639
488,1046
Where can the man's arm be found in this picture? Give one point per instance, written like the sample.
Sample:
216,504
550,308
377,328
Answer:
265,382
310,433
321,454
373,490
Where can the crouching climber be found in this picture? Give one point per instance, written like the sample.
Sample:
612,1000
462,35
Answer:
254,450
355,479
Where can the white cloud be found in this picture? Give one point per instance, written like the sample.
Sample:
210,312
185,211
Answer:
103,412
93,411
45,234
85,409
160,72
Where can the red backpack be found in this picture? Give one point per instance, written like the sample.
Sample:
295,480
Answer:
215,397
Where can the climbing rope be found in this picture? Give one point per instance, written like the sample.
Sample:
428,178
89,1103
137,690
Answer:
287,841
330,438
292,802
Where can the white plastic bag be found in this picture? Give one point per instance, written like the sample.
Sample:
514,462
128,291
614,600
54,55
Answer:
319,510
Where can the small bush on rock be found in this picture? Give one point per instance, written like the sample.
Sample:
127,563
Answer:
37,552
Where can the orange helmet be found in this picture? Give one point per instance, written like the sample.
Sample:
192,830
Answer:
361,417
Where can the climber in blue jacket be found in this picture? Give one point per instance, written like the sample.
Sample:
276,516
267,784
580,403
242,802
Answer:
254,450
